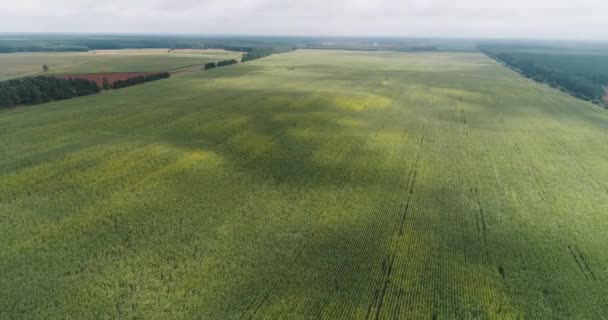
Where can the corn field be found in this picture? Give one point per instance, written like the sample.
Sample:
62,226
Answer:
309,185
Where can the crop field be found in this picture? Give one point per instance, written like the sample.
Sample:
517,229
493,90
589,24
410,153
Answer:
309,185
128,60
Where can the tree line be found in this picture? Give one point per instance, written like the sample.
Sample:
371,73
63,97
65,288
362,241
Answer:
261,52
41,89
257,53
41,48
136,80
564,73
211,65
66,43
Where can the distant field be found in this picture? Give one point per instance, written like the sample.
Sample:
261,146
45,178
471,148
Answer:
133,60
309,185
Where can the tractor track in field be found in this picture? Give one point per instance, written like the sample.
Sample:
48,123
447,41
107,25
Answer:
482,230
375,308
412,180
580,260
377,303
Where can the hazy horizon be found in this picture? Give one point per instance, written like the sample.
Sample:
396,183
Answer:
312,36
476,19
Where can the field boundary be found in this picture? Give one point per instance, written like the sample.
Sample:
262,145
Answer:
602,102
110,77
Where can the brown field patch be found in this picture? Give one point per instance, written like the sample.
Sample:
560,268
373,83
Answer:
606,94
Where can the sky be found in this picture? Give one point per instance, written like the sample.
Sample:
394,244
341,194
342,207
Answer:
568,19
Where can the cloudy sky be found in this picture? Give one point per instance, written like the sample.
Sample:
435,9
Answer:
587,19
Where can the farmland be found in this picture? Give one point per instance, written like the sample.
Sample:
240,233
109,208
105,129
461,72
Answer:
133,60
310,184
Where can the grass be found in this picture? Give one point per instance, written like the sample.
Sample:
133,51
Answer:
133,60
313,184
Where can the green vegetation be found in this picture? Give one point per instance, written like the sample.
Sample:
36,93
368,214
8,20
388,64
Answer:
582,74
75,43
226,62
210,65
146,60
41,89
32,47
258,53
139,80
51,43
105,84
305,185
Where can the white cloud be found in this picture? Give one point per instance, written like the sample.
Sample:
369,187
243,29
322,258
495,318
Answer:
469,18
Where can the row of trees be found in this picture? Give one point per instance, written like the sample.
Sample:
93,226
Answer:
226,62
583,86
136,80
40,89
211,65
10,48
261,52
257,53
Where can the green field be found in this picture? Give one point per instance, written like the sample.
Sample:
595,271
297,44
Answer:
309,185
134,60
